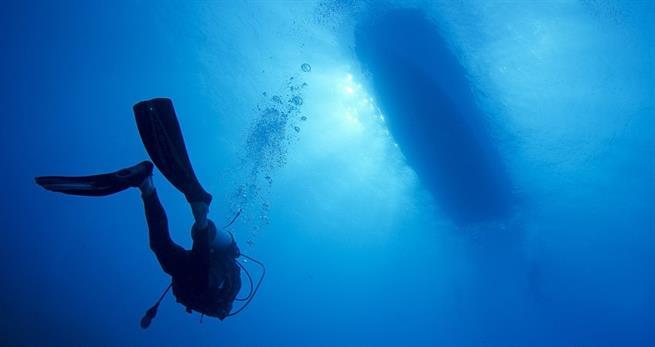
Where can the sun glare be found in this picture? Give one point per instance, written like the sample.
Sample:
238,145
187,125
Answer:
358,109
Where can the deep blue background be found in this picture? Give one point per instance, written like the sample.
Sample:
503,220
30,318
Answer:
361,249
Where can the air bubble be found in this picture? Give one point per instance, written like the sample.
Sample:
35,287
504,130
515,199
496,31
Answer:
297,100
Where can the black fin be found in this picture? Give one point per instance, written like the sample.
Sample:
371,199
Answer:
161,135
97,185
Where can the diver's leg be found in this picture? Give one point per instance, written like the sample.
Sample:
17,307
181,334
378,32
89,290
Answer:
216,238
169,254
203,230
200,210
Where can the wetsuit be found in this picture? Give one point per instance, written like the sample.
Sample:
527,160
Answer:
206,278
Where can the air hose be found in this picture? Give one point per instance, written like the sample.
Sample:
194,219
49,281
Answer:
254,290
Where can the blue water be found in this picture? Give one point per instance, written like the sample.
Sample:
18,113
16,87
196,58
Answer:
437,174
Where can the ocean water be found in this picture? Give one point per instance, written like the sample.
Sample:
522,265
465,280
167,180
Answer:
419,173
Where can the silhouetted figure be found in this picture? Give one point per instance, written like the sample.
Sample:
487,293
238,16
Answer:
205,278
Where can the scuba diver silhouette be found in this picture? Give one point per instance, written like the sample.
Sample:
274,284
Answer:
206,278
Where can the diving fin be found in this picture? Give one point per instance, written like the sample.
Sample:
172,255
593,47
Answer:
161,135
97,185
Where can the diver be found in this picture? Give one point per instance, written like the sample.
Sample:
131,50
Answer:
205,278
